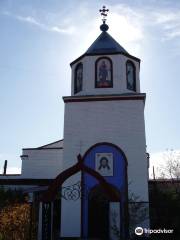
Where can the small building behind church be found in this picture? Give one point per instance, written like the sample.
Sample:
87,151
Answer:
88,184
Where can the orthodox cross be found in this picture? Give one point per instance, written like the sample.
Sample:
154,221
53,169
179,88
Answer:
104,12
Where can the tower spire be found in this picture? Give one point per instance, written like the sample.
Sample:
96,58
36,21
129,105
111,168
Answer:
104,12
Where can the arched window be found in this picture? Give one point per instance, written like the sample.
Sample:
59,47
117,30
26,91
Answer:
78,78
103,73
131,76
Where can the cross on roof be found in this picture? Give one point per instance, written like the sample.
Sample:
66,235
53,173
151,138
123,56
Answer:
104,12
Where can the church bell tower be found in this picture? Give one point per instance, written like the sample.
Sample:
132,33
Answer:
104,123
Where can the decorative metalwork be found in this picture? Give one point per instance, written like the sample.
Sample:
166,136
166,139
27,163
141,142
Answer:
74,192
104,12
56,184
79,191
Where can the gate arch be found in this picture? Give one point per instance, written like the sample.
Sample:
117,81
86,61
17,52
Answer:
82,166
53,188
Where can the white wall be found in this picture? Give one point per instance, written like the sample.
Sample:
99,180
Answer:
42,163
117,122
119,76
71,212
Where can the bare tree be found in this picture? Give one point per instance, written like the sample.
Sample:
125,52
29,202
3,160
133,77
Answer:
170,169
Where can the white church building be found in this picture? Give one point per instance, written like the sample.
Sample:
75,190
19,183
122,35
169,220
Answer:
88,182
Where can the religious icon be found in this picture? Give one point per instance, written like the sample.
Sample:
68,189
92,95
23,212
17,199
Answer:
104,164
78,78
131,84
103,73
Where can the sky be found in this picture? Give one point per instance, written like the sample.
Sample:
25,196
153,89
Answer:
38,40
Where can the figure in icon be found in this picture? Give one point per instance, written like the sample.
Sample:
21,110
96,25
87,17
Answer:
104,73
104,163
78,78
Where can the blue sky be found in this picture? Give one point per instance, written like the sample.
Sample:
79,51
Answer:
40,38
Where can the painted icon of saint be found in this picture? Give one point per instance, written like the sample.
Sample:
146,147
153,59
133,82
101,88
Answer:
131,85
78,78
103,73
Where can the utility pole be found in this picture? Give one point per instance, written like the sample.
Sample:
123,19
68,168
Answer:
5,167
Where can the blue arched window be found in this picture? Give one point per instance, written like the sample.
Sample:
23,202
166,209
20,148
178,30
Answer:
131,75
78,78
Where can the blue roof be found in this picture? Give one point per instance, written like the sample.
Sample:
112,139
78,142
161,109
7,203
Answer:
105,44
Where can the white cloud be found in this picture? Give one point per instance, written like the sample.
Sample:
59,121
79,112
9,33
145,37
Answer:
165,16
169,20
68,30
129,32
31,20
127,24
133,23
